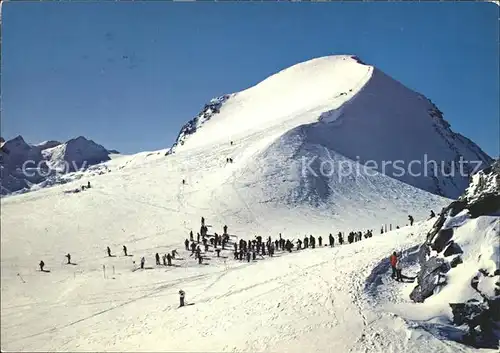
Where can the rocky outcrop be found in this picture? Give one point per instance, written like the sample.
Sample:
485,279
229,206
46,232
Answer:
440,253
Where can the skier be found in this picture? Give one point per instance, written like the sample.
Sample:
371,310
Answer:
306,242
410,218
186,243
143,261
393,259
432,214
331,239
174,252
109,251
157,258
198,237
169,259
299,244
124,250
191,236
320,240
88,185
69,258
181,298
341,238
41,264
164,258
183,181
225,229
202,221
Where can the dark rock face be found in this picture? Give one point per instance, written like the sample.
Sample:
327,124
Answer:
442,238
486,205
456,261
453,249
209,110
429,277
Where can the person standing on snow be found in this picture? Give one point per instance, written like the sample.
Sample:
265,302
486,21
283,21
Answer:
432,214
157,258
320,240
69,258
331,240
124,250
410,218
41,264
109,251
169,259
143,261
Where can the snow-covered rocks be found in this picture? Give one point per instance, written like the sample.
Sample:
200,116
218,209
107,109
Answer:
25,167
460,259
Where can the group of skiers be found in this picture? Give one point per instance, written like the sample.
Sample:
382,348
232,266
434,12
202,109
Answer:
249,249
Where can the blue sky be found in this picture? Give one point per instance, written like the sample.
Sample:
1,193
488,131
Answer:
129,74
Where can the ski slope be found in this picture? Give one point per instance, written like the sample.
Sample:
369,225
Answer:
311,300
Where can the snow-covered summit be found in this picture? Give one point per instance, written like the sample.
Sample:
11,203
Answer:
78,152
350,109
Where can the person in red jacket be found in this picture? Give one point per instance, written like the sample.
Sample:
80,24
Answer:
393,260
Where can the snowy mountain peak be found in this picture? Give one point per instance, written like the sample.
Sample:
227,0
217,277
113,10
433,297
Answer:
346,108
24,166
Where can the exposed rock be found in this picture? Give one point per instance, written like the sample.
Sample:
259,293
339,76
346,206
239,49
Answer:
456,261
442,238
209,110
429,277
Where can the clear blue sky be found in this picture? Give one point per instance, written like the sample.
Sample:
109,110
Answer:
129,74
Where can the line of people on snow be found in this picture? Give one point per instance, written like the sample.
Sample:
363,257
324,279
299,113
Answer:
250,249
